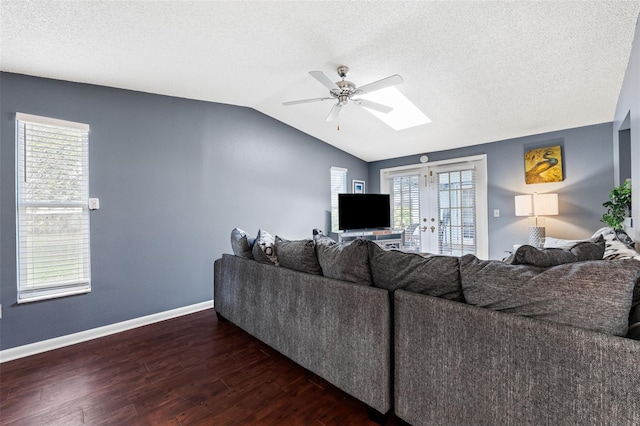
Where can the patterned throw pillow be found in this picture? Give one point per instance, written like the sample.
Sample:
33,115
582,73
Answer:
545,258
594,295
618,245
264,248
298,255
241,243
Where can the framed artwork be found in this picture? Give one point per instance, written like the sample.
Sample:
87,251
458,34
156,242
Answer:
543,165
358,186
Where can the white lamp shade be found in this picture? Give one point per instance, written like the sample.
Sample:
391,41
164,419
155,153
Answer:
545,204
537,205
524,205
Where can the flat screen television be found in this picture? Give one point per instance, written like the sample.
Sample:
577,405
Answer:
363,211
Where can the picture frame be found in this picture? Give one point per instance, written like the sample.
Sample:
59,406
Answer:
543,165
358,186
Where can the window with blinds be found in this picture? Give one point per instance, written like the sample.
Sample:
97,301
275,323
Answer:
338,186
52,208
457,212
404,192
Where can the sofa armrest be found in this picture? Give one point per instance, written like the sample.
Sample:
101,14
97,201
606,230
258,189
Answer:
460,364
340,331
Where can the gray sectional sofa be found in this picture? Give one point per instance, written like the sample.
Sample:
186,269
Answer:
444,340
457,364
333,328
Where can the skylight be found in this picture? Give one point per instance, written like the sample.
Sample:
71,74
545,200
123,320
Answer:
404,115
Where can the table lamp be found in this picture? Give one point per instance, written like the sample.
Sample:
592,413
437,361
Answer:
535,205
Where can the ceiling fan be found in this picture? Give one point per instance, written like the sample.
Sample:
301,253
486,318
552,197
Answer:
344,91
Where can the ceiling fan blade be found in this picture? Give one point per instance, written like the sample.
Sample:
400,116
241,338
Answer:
323,79
380,84
334,112
373,105
304,101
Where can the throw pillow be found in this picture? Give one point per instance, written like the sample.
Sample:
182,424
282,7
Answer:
344,261
594,295
551,242
618,245
581,251
241,243
263,248
298,255
323,239
433,275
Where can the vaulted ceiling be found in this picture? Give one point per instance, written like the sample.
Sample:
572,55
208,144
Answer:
481,71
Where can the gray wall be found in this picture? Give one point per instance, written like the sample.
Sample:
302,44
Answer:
628,117
174,176
588,169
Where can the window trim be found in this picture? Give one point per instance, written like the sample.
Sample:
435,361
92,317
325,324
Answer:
482,194
334,208
53,289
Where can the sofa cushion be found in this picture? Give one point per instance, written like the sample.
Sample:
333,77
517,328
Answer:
581,251
241,243
344,261
299,255
433,275
595,295
264,248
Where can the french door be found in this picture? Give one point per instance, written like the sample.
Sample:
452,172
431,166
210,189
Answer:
441,206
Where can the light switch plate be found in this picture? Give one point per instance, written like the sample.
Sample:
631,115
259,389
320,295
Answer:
94,203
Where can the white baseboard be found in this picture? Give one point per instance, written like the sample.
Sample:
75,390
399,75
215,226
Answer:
83,336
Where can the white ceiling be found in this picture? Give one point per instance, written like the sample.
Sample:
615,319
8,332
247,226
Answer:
482,71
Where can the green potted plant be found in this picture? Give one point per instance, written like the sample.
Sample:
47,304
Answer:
619,206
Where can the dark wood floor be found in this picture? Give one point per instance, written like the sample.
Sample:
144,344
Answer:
191,370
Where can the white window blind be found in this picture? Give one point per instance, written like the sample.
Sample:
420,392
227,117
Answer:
457,211
405,207
52,208
338,186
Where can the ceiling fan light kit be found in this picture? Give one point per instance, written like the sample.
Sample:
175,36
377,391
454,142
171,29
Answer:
344,91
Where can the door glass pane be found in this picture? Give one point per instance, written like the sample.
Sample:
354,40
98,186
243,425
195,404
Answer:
405,208
444,196
456,212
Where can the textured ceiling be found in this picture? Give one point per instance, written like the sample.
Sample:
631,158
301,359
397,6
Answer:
482,71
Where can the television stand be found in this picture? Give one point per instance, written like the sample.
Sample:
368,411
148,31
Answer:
385,238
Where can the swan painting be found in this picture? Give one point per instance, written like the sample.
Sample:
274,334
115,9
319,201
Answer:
543,165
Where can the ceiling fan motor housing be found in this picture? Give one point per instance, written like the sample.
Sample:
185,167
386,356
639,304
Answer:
347,89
